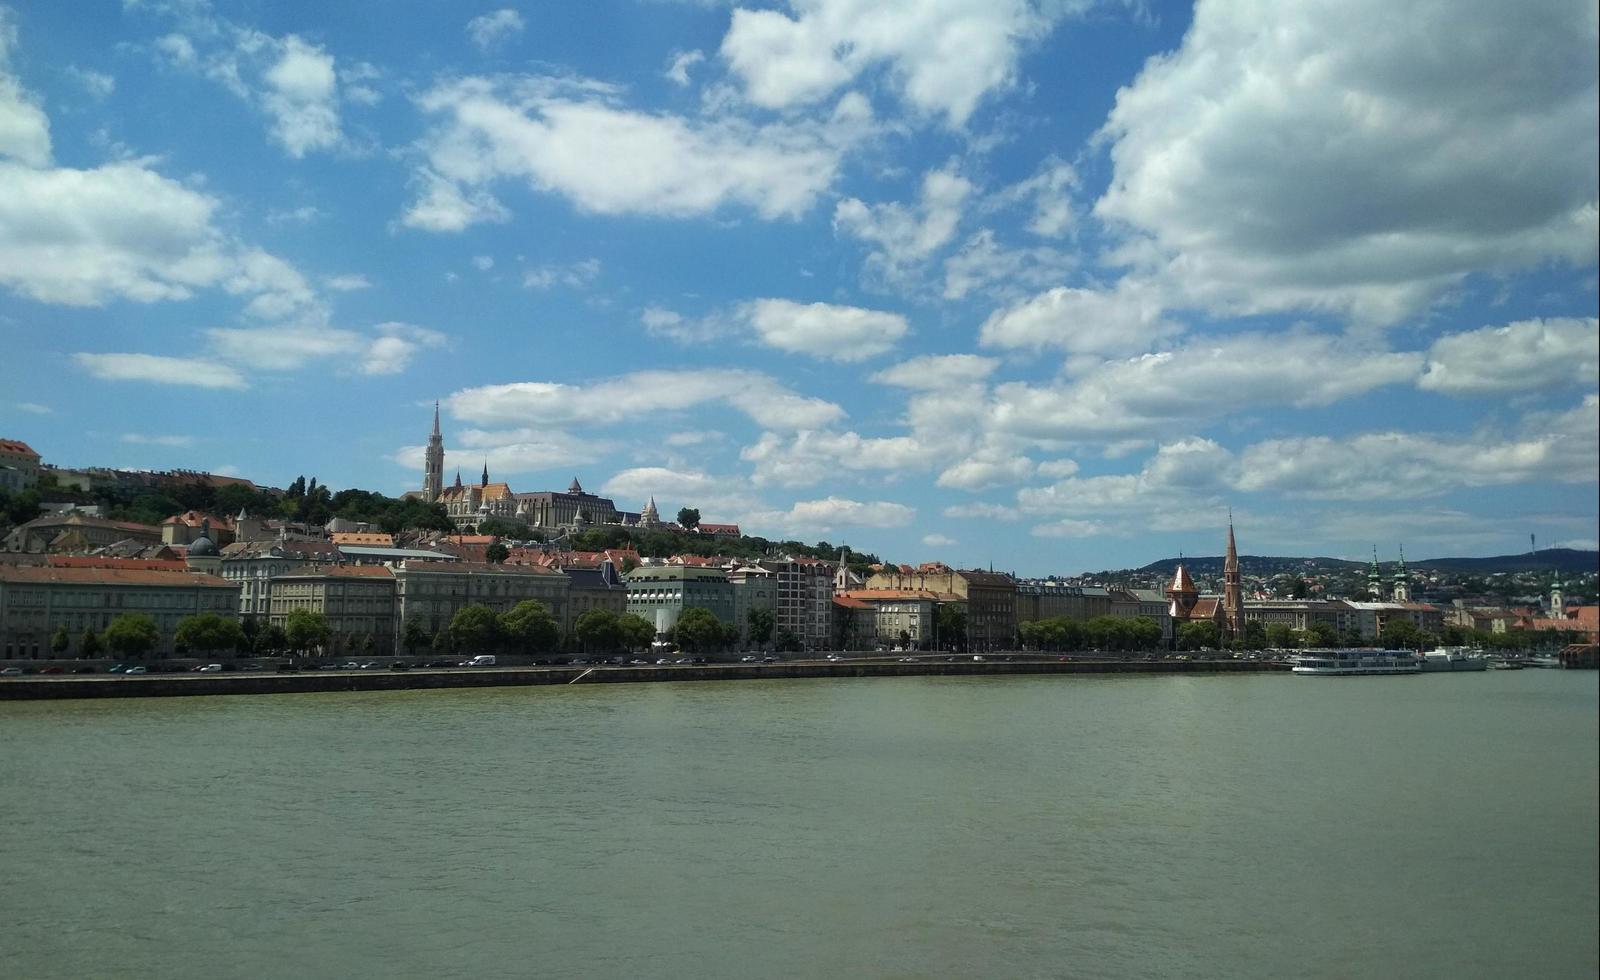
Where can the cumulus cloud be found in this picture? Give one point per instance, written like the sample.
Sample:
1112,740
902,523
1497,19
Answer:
188,371
938,541
678,71
574,275
302,96
1414,464
631,396
1204,380
492,29
982,264
942,57
1048,193
24,128
1530,355
823,330
902,238
813,456
510,451
986,469
571,137
835,512
674,488
937,372
1357,157
1123,320
170,441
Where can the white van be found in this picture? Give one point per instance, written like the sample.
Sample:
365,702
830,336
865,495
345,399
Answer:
481,660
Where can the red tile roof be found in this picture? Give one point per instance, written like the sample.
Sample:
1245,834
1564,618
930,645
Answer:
851,602
16,446
137,564
55,575
343,571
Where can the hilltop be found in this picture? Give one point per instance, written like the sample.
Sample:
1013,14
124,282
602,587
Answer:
1563,560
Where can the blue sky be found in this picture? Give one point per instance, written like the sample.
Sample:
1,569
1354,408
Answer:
1045,284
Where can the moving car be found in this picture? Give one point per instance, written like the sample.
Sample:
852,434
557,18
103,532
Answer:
137,670
11,672
481,660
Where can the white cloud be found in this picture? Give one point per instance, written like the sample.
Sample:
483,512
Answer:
1058,468
903,238
24,128
1067,527
1124,320
691,437
391,353
289,346
446,206
1530,355
941,56
938,541
178,49
1358,157
675,488
824,330
937,372
349,282
1563,447
631,396
984,264
567,136
574,275
985,469
813,456
1207,379
678,71
303,215
193,372
492,29
33,408
983,511
483,263
835,512
98,84
170,441
302,96
1049,193
510,451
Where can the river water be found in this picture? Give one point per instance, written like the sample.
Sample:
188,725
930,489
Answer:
1059,826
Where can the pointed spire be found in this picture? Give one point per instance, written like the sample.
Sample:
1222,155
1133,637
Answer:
485,474
437,434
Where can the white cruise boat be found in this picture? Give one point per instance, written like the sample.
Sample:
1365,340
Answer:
1338,662
1446,659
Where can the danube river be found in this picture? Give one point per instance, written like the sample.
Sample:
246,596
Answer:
1206,826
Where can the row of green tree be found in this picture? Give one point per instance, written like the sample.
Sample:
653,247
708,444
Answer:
1101,633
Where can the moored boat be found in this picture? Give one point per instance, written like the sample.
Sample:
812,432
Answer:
1365,661
1450,659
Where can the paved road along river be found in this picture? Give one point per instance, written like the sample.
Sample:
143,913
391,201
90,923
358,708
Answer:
1244,826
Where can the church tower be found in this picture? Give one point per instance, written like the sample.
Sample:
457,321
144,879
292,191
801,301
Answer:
1232,587
1402,585
1182,594
1375,578
1558,602
433,462
649,517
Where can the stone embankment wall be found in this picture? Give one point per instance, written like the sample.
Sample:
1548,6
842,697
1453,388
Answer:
177,685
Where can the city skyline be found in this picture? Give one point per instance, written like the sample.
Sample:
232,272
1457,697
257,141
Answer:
1048,286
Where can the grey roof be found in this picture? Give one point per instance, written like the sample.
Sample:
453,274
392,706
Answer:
397,554
202,547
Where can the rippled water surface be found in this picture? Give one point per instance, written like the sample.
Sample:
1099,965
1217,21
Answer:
1239,826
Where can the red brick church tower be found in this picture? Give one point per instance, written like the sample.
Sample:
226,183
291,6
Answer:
1232,590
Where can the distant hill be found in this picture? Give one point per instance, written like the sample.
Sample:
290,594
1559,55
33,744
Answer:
1547,560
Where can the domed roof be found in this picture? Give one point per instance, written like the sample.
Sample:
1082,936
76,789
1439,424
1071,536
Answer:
203,547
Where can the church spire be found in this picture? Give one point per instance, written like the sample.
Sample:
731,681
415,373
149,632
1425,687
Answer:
1232,586
433,461
485,474
437,434
1402,582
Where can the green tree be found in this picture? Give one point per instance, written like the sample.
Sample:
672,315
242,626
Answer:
1402,634
698,630
950,625
89,644
132,635
515,530
599,630
1255,636
270,641
1280,635
637,632
761,623
530,628
497,553
1196,636
205,632
414,636
475,628
1320,634
786,642
60,643
304,630
689,518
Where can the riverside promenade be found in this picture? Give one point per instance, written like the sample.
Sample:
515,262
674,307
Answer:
31,687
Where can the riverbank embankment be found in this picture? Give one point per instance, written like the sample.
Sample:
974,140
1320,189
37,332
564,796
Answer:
188,685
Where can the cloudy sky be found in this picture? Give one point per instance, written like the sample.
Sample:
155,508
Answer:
1045,283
